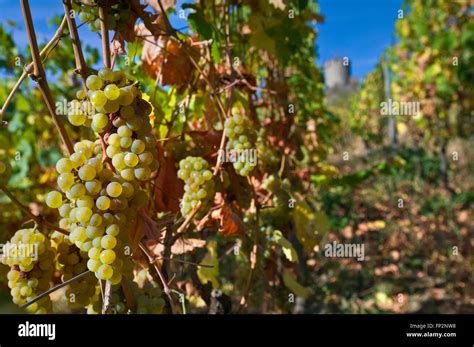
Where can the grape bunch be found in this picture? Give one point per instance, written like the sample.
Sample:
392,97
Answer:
148,299
238,130
70,262
118,15
199,185
5,171
98,211
122,116
148,294
30,257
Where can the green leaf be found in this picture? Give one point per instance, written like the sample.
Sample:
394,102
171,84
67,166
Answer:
198,23
292,284
49,156
286,246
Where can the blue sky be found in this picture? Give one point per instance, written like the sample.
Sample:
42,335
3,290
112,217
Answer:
358,29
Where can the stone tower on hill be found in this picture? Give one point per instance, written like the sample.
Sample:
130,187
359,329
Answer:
336,74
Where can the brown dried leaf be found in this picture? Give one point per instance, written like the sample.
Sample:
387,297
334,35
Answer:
118,44
231,224
168,187
169,60
136,233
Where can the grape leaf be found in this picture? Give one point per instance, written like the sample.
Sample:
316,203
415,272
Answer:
310,226
292,284
210,274
286,246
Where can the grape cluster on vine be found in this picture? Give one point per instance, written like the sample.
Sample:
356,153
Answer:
118,15
199,185
30,258
238,131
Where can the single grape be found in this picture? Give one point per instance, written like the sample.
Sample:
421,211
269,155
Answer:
87,173
98,98
94,82
106,74
103,203
112,92
114,189
54,199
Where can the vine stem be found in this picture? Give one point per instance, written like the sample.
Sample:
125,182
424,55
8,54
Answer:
37,219
106,302
40,77
59,286
254,252
81,67
166,288
105,34
28,68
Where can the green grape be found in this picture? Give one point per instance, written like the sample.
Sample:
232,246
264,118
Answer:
108,242
100,121
94,253
107,256
77,119
114,189
64,210
98,98
103,203
113,230
106,74
124,131
126,98
77,159
93,82
77,191
65,181
118,161
145,158
112,92
93,187
83,214
111,106
127,174
111,151
93,265
142,173
96,220
54,199
104,272
125,142
131,159
87,173
114,140
138,146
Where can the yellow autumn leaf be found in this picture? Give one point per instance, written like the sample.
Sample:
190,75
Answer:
152,116
288,249
310,226
210,274
292,284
